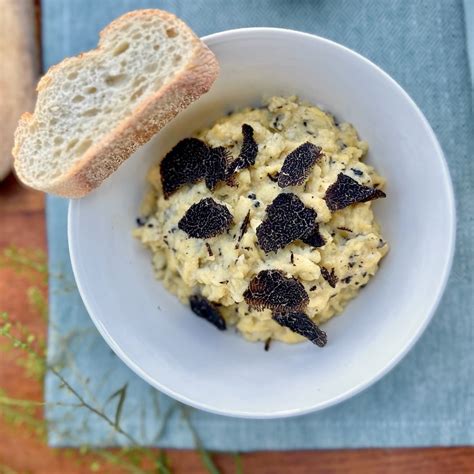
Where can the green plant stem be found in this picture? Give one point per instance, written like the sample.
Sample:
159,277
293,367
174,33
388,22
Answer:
238,463
14,256
19,344
206,458
119,461
11,402
91,408
162,463
23,417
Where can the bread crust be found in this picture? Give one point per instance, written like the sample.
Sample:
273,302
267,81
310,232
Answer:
152,114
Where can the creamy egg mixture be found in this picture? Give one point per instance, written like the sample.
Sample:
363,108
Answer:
219,269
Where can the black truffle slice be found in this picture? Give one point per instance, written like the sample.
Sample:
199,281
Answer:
329,276
183,165
287,220
248,152
206,310
314,237
216,163
272,289
205,219
301,324
346,191
298,164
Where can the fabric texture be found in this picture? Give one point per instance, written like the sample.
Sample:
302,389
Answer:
428,399
469,20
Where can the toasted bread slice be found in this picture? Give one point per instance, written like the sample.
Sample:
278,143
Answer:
94,110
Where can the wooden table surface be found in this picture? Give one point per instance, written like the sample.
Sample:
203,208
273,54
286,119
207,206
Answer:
22,224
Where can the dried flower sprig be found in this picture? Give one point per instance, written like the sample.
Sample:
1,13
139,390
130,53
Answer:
31,264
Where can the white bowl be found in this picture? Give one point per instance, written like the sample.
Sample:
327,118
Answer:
188,359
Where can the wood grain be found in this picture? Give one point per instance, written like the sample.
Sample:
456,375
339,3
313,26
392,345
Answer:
19,70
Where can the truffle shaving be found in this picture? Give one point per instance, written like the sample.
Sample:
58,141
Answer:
301,324
273,290
298,164
205,219
287,220
346,191
206,310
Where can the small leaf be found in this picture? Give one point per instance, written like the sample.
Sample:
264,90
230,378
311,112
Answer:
121,393
6,328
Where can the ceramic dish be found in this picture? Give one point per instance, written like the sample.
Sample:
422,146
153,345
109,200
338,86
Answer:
185,357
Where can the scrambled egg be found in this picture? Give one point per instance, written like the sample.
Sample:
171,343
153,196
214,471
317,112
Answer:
220,270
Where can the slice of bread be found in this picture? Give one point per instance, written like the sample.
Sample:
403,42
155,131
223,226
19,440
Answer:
94,110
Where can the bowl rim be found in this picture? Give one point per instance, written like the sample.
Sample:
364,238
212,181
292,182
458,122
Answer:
229,35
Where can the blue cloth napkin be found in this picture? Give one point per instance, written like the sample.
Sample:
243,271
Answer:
469,19
428,399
